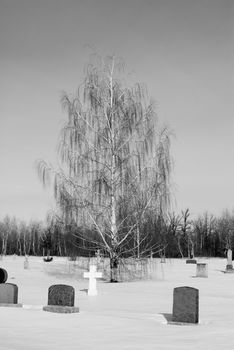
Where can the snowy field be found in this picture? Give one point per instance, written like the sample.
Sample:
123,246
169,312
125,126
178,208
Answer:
128,315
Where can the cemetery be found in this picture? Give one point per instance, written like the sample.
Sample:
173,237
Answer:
70,304
116,199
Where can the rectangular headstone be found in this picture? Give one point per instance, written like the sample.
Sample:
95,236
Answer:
202,270
8,293
185,305
61,295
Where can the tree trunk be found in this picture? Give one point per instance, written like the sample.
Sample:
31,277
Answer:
4,244
188,248
19,246
138,242
114,263
59,247
180,249
64,247
24,245
48,253
192,250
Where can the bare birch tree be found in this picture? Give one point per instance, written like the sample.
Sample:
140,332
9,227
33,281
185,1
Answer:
113,157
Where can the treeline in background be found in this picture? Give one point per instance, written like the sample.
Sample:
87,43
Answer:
177,236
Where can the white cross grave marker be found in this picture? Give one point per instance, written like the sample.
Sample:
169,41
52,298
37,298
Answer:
92,275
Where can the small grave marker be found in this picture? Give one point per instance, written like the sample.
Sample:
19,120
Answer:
151,255
185,305
229,265
92,275
98,256
26,263
9,295
61,299
202,270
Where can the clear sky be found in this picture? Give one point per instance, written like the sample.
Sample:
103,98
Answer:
181,49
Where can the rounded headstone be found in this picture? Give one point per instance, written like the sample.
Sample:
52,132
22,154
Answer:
61,294
61,299
3,275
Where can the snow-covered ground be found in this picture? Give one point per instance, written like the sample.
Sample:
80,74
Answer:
123,315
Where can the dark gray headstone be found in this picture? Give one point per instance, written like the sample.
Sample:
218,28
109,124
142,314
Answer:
185,305
61,295
3,275
61,299
8,293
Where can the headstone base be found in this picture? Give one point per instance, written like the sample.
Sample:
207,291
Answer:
191,261
182,323
229,267
61,309
10,305
92,292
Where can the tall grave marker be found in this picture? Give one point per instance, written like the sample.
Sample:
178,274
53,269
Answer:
229,266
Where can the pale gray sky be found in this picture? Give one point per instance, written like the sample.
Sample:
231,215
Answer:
182,50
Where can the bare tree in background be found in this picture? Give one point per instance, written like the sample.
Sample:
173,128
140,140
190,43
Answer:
5,229
187,228
174,225
115,160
